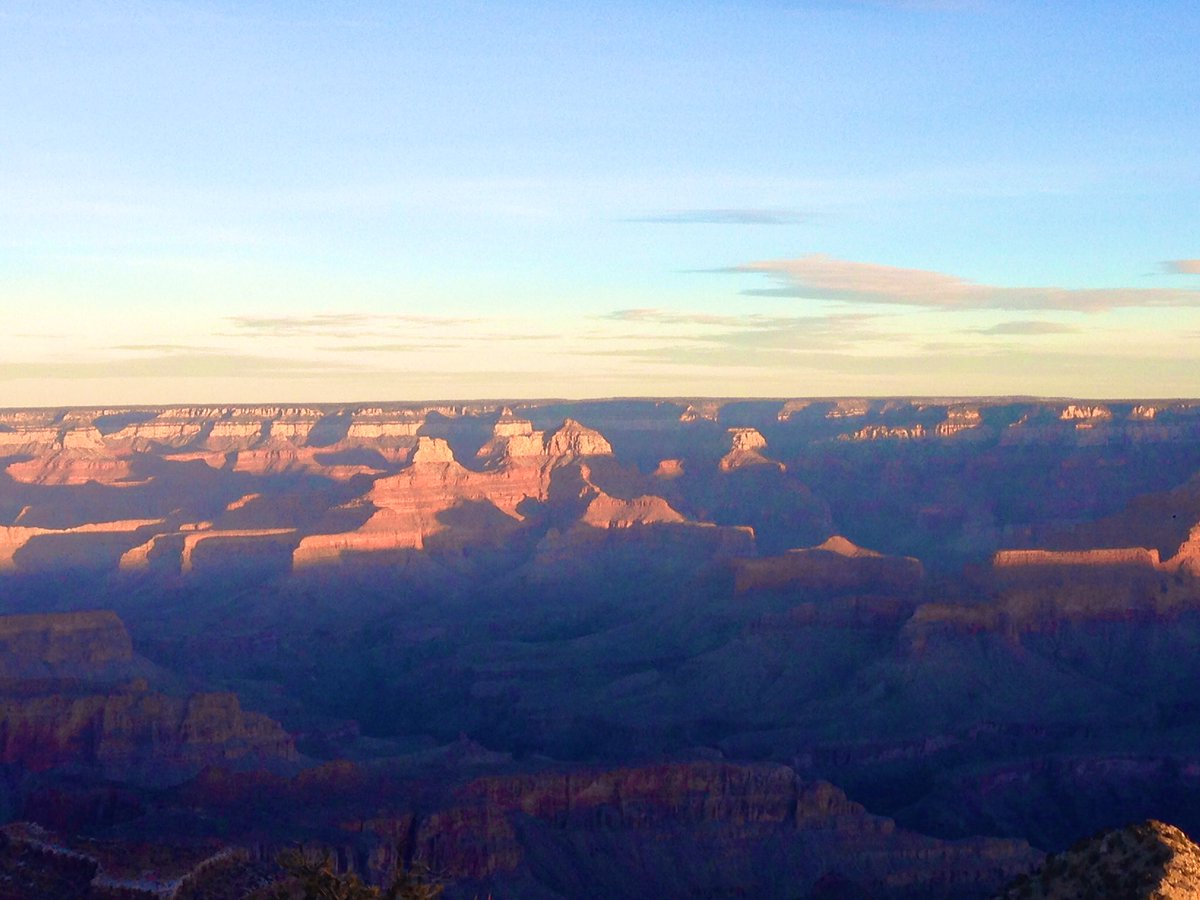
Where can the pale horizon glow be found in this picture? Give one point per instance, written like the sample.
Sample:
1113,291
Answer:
243,203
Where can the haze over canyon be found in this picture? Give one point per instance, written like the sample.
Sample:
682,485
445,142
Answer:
848,647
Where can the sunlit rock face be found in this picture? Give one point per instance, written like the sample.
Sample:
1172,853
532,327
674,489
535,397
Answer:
835,564
745,449
471,473
437,495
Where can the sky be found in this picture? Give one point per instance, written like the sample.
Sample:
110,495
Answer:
410,200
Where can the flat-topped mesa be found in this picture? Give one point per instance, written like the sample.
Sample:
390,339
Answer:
1118,556
1037,590
243,543
509,425
836,564
512,438
669,468
14,538
573,439
745,445
886,433
605,511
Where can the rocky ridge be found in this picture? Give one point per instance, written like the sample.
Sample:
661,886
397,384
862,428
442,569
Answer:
1149,861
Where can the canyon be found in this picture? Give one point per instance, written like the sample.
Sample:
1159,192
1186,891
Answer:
897,647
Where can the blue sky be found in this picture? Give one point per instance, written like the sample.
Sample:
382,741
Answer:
354,201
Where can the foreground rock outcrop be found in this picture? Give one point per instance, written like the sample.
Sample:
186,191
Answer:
1150,861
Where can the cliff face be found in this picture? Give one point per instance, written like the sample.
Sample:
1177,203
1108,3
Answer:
673,830
135,733
73,696
38,645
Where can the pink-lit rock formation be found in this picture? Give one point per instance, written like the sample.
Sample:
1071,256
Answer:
1074,412
413,503
886,433
72,467
669,468
836,564
958,420
746,446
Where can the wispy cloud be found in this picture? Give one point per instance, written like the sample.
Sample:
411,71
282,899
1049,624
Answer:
751,340
171,365
716,356
670,317
398,347
348,325
1182,266
165,348
750,216
818,277
1028,328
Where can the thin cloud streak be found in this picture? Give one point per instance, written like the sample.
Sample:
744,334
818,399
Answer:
819,277
171,365
755,321
1028,328
724,217
336,324
1182,266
